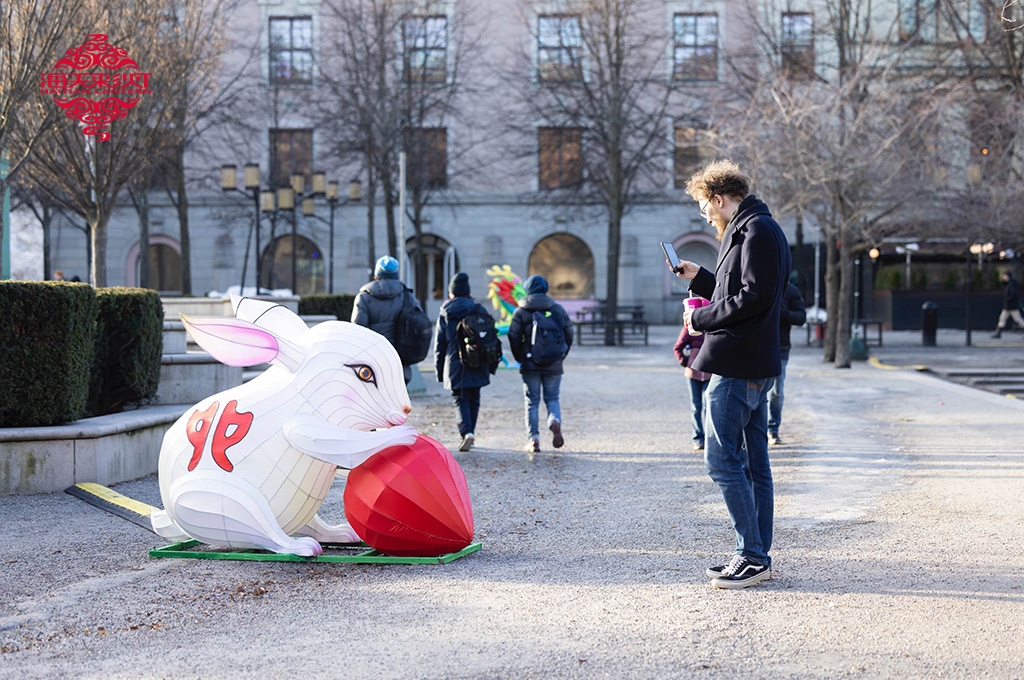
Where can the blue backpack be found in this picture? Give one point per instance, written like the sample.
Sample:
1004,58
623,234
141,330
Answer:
547,341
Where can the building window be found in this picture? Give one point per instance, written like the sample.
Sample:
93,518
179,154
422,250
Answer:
425,46
991,136
291,51
426,158
695,55
797,45
310,269
291,152
560,157
559,48
917,20
978,15
688,153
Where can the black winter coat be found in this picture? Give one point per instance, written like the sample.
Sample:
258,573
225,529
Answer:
1010,298
746,291
791,314
447,364
520,330
377,306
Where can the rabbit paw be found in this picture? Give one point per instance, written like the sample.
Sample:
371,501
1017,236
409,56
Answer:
306,547
401,435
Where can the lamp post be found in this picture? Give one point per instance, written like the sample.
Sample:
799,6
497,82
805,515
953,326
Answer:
268,206
329,190
286,201
874,253
251,182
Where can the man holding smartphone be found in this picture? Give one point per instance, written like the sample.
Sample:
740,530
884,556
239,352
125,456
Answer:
741,350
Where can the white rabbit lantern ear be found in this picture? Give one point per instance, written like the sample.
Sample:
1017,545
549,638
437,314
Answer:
275,317
232,341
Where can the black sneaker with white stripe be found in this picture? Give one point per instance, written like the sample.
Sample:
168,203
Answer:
740,573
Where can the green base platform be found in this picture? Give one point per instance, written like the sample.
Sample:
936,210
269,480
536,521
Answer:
185,549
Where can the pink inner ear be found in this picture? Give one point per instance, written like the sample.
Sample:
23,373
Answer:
232,341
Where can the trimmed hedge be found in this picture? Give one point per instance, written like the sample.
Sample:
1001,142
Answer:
129,345
338,305
47,344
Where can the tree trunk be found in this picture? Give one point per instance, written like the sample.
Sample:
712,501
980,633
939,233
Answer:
47,223
98,239
845,309
831,297
185,233
371,207
143,207
614,239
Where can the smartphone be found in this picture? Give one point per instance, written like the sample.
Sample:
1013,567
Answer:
670,254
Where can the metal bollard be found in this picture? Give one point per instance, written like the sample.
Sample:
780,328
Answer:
929,323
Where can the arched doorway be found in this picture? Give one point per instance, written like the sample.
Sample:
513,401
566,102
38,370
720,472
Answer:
441,263
568,265
699,248
310,266
164,265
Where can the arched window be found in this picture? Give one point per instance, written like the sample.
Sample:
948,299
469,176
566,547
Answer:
568,265
441,262
310,266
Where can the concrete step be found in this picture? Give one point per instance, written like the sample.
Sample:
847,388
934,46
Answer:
189,377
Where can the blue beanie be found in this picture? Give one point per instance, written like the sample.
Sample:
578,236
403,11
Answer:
535,285
459,286
386,268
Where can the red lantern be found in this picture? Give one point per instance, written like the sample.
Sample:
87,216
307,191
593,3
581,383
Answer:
410,501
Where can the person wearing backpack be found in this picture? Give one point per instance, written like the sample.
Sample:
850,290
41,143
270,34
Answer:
380,302
540,335
463,359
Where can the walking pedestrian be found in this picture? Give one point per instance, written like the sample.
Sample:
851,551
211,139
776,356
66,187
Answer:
741,350
687,348
379,302
1011,305
540,335
791,314
462,380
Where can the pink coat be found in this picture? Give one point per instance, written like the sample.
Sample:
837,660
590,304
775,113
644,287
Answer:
695,342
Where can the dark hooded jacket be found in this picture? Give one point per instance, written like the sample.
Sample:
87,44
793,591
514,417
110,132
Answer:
521,327
1011,299
448,366
377,306
746,291
791,314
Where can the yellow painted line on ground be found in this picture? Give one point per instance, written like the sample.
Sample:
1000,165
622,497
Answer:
113,497
878,364
990,345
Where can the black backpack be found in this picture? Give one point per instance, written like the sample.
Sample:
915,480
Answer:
547,340
413,331
479,346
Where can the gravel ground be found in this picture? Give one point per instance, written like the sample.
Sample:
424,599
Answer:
898,515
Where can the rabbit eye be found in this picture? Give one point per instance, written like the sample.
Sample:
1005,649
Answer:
364,373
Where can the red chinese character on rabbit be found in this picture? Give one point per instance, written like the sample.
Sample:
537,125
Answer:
251,466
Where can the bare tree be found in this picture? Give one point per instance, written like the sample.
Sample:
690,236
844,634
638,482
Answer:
397,79
33,35
86,174
823,129
599,87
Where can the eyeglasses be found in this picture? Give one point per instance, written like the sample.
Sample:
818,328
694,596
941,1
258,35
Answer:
704,208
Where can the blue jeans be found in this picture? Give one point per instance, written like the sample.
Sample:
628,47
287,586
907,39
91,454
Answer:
467,400
736,455
697,389
775,399
533,383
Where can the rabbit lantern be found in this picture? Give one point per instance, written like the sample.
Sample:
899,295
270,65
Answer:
250,467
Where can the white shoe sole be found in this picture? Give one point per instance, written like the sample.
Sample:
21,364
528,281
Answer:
711,574
467,443
753,580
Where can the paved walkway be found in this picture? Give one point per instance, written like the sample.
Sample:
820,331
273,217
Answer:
898,531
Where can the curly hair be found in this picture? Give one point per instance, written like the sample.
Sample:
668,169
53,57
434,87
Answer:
722,177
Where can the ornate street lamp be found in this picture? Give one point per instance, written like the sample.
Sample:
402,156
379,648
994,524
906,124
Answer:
251,182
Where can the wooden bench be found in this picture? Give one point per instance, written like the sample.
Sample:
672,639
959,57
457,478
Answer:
624,330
